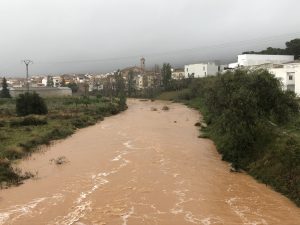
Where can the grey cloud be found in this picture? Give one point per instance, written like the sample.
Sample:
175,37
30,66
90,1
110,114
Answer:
52,31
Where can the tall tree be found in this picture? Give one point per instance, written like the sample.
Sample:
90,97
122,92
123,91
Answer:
166,75
130,83
50,82
120,89
63,82
4,92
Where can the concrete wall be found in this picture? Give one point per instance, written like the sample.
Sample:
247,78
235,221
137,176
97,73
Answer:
43,92
256,59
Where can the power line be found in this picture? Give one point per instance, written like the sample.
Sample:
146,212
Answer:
27,62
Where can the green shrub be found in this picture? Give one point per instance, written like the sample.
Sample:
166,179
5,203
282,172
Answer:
30,120
83,121
30,103
7,174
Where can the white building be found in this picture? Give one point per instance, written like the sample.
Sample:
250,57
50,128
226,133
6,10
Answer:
200,70
246,60
139,82
289,75
177,74
45,81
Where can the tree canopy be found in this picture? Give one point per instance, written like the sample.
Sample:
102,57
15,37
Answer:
5,91
292,48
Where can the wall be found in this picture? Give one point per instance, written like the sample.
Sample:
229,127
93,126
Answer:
200,70
43,92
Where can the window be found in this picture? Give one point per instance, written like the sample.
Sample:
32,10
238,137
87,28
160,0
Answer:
203,68
187,69
290,75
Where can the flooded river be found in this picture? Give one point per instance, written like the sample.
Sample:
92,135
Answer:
140,167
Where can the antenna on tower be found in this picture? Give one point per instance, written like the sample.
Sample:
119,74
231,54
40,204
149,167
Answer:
27,62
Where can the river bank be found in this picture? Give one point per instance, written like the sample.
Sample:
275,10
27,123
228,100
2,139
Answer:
142,166
20,136
253,122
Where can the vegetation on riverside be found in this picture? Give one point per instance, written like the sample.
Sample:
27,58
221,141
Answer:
253,122
21,134
30,103
5,91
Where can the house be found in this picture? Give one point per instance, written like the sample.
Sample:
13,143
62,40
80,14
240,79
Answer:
201,70
288,73
139,82
247,60
177,74
80,78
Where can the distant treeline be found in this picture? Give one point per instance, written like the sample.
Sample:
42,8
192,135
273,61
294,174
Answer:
292,48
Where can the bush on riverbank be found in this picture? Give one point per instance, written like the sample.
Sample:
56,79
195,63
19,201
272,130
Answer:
252,121
30,103
20,136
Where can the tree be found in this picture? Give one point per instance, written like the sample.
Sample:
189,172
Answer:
50,82
130,83
166,75
30,103
63,82
120,89
4,92
293,48
74,87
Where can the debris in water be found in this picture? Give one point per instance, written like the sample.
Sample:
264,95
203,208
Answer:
165,108
59,161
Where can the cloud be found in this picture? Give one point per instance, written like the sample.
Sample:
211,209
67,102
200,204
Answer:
51,32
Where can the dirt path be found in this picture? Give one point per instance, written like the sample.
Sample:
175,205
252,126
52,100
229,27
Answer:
141,167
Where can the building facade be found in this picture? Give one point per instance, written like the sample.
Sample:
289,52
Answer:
200,70
247,60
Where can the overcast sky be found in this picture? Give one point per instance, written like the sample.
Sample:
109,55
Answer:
79,36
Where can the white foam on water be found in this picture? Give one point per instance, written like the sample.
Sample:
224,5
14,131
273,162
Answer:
15,212
81,204
241,211
127,215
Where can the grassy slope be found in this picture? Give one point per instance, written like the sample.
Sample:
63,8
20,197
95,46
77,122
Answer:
268,169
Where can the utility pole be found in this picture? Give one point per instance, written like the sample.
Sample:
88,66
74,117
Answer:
27,62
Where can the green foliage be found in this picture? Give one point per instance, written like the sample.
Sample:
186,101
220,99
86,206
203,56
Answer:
292,48
245,111
4,92
30,103
7,173
120,90
20,136
131,87
74,87
166,75
31,120
50,81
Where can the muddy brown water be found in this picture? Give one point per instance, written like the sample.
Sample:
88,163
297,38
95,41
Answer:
140,167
